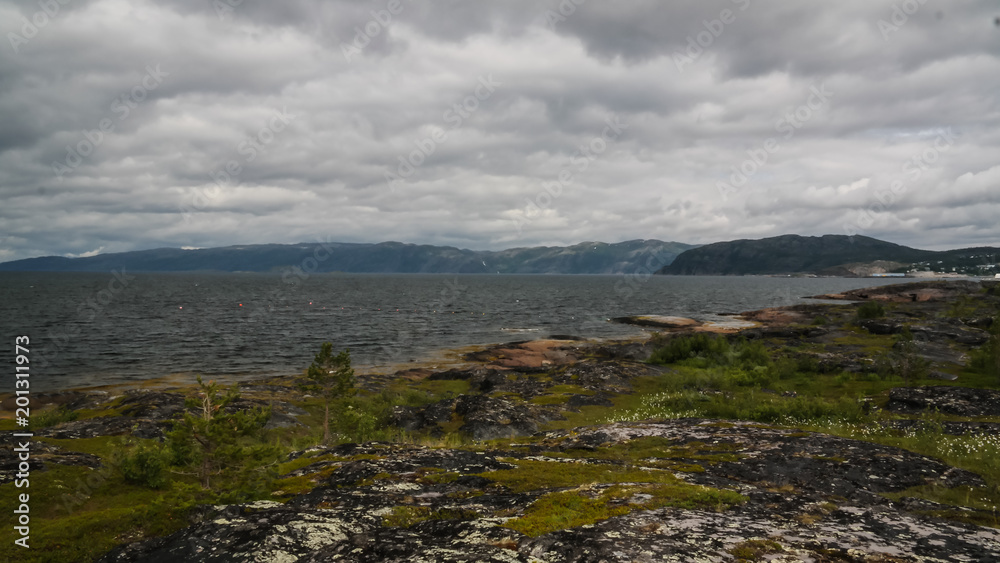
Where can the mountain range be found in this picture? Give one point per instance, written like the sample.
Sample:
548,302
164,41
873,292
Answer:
832,255
385,257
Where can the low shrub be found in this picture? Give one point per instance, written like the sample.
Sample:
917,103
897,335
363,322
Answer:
871,310
703,350
142,463
686,347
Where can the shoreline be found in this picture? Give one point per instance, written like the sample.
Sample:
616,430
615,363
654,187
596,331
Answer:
438,359
473,447
648,325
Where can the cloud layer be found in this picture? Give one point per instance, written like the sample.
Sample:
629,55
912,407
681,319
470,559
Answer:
131,125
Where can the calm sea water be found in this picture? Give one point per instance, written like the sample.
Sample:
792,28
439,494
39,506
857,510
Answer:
96,329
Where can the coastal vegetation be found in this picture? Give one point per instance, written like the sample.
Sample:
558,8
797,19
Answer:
842,377
215,440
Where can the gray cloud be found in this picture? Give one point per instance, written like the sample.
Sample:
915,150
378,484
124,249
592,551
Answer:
183,93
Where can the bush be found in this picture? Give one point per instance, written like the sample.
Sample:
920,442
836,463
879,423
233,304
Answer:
871,310
746,362
752,354
142,464
685,347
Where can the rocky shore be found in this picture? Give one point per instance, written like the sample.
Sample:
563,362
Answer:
535,453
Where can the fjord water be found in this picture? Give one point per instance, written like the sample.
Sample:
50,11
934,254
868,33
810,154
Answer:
91,329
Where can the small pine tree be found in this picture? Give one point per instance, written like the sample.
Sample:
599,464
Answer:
332,378
211,439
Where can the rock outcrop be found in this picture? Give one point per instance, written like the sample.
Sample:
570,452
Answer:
960,401
41,455
807,497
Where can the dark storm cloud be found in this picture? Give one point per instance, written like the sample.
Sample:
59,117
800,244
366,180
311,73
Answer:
200,123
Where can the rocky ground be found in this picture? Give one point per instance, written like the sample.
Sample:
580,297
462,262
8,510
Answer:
654,490
806,497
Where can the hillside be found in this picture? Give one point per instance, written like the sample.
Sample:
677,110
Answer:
385,257
825,255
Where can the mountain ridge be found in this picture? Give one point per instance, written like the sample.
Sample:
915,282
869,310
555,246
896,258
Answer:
830,255
820,255
587,257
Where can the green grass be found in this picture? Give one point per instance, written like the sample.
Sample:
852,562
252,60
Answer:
563,510
533,475
101,446
78,514
52,417
869,344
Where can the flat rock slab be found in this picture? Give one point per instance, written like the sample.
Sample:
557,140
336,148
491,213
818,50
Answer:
658,321
107,426
41,455
670,323
961,401
531,355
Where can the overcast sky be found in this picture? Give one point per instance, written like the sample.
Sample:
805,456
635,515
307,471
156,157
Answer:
131,124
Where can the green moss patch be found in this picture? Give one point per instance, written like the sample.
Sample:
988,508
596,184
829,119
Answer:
568,509
755,550
632,489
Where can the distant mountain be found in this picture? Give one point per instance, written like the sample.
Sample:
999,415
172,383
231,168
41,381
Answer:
828,254
386,257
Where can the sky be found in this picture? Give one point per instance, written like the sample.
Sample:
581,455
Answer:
129,125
